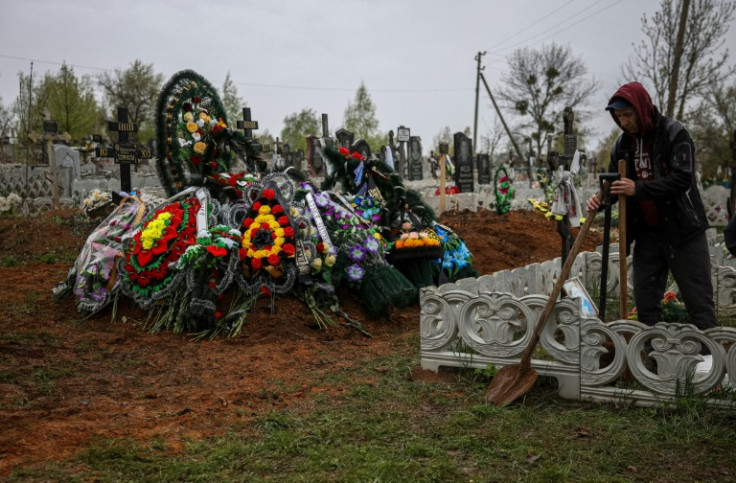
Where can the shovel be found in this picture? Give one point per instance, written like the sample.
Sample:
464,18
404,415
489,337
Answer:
623,281
514,380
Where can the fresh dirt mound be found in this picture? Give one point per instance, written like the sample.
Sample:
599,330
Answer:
66,381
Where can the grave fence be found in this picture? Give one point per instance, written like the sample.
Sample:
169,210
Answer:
490,320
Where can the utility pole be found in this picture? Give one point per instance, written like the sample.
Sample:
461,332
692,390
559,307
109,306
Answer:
477,94
28,123
500,116
674,75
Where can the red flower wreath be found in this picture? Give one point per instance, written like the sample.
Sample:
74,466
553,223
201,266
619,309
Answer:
268,237
164,237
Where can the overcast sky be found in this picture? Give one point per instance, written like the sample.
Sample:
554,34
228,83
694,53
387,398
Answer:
416,57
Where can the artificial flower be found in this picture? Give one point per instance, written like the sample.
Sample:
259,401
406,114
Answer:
356,253
356,272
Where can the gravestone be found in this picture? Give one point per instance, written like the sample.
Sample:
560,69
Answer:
287,155
403,134
463,162
415,158
66,161
361,146
50,134
484,169
299,160
315,161
345,138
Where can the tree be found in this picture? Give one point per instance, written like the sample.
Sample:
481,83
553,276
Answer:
6,127
540,84
712,126
137,89
702,61
233,103
492,139
71,101
360,117
298,126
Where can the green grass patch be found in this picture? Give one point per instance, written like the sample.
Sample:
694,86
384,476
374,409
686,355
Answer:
8,261
384,426
45,378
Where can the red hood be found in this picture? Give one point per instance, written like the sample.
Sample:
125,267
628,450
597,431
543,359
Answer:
635,94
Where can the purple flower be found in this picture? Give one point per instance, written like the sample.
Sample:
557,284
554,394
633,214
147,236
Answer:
322,199
356,272
356,253
371,244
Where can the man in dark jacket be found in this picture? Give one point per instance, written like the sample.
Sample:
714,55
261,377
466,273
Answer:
664,212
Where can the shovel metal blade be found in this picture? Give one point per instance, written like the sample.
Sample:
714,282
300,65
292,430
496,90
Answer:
510,383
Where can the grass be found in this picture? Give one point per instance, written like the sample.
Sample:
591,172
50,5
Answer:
384,426
45,378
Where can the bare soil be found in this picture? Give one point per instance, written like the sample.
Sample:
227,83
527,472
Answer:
65,381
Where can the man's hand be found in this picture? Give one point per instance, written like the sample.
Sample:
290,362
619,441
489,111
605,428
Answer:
624,186
593,203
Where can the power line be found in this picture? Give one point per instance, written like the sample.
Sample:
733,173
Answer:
542,18
580,21
253,84
41,61
526,41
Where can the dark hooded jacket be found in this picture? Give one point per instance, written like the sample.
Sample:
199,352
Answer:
673,187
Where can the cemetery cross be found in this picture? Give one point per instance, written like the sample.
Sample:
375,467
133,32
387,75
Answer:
123,151
248,125
571,144
51,134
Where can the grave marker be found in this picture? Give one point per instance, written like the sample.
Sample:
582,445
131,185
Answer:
50,134
288,155
248,125
484,169
361,146
463,162
278,160
415,158
403,134
444,150
314,156
345,138
123,151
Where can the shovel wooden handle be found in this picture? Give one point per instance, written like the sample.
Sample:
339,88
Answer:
622,277
557,288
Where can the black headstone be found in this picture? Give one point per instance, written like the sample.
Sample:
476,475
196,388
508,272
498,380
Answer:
287,155
414,155
463,162
484,169
314,155
361,146
345,138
